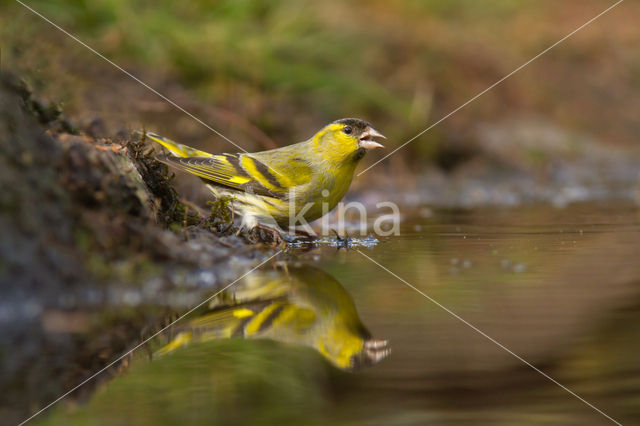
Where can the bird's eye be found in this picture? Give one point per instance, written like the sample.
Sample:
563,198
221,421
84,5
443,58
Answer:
347,130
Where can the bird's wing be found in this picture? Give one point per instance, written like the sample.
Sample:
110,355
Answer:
268,173
242,172
288,164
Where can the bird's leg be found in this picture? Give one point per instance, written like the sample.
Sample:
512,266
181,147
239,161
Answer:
302,234
342,242
275,234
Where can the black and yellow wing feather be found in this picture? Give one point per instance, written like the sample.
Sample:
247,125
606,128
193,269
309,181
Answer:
252,173
226,170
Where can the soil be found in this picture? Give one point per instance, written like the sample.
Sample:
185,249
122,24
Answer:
96,246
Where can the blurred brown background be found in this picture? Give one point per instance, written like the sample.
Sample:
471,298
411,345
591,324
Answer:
268,74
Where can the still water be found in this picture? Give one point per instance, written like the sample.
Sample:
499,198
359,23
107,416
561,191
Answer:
328,336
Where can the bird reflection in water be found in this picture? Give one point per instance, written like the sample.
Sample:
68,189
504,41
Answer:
295,304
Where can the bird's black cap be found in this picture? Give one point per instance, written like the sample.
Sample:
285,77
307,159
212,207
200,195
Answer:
358,124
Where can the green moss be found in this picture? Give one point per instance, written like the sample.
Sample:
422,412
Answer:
221,208
221,213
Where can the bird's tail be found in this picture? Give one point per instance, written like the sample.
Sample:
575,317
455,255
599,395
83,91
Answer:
180,340
175,148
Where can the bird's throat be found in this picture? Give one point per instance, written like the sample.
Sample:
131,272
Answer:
359,154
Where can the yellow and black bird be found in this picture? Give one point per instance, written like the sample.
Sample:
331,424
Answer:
303,180
299,305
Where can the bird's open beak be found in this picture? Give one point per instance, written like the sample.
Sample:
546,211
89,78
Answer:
366,139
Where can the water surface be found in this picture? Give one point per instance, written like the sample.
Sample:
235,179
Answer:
558,287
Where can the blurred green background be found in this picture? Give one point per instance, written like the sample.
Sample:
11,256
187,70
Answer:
271,73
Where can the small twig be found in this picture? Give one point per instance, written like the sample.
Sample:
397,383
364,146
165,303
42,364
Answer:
226,244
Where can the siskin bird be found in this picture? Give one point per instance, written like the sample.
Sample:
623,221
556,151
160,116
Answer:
280,186
299,305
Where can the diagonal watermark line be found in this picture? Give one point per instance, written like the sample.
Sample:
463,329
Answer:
132,76
449,311
97,373
494,85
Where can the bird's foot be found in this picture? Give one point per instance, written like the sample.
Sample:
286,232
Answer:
342,242
300,235
267,234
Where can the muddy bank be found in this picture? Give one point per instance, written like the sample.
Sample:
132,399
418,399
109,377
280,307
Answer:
90,225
